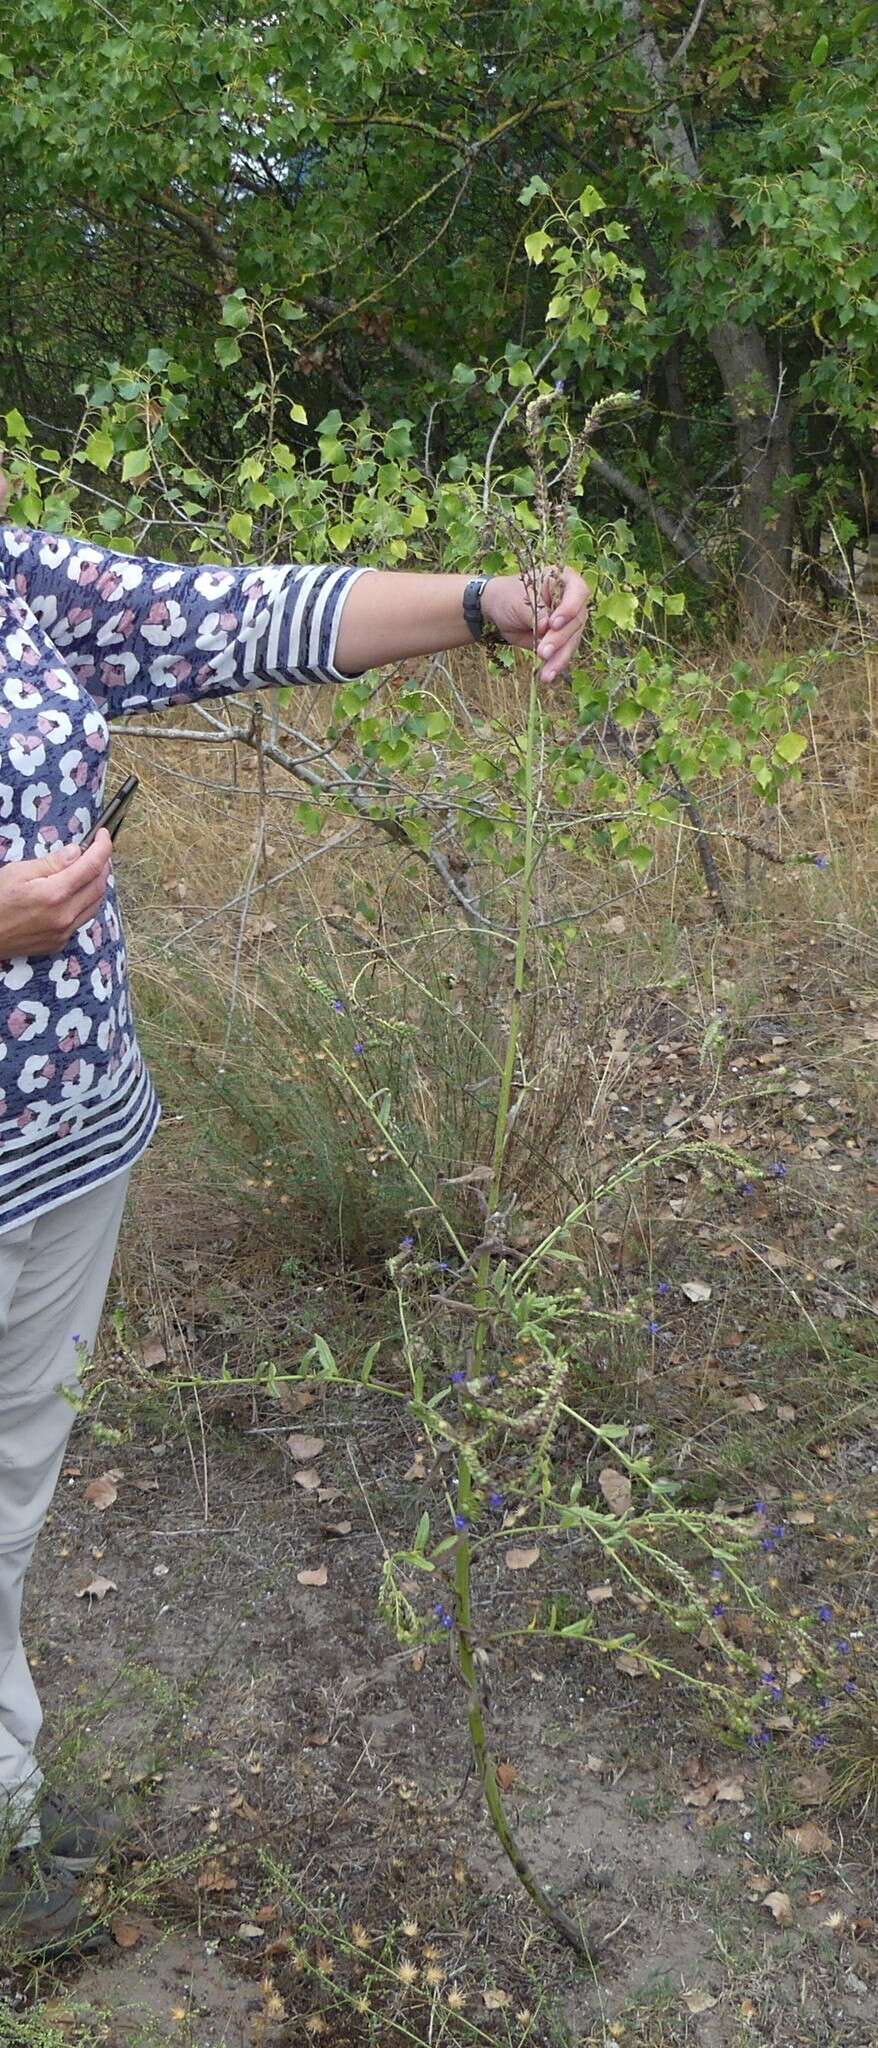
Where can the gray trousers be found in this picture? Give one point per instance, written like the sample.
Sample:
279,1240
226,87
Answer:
54,1274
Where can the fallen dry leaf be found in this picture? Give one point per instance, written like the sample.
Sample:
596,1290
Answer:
496,2000
596,1765
521,1560
803,1518
700,1795
698,2001
614,927
294,1399
811,1839
779,1905
748,1404
417,1468
811,1788
786,1413
305,1447
597,1594
308,1479
507,1776
616,1489
318,1577
633,1667
696,1290
102,1492
729,1791
97,1588
153,1353
215,1878
318,1740
336,1528
127,1933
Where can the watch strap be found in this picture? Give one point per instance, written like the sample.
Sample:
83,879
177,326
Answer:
474,617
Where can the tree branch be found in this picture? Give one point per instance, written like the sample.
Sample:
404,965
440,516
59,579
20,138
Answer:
392,828
686,41
678,536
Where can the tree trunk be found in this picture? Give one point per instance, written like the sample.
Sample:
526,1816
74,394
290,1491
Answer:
761,412
752,384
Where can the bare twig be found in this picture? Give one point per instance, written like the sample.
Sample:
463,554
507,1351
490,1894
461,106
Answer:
688,39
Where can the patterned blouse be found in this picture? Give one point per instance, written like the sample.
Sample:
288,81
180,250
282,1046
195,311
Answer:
85,636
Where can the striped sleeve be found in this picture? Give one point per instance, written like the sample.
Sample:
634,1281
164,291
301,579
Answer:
142,634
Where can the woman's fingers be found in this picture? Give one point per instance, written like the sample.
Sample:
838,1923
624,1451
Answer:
558,642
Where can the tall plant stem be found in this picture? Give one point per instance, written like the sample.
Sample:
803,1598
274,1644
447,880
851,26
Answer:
519,978
483,1757
484,1760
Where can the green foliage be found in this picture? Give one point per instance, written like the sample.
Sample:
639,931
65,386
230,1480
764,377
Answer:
401,187
347,485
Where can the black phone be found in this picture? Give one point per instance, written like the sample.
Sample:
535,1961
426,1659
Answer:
114,812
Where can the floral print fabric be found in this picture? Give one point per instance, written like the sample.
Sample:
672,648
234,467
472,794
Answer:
86,635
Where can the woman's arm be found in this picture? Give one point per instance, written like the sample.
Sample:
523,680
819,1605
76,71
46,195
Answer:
142,634
391,615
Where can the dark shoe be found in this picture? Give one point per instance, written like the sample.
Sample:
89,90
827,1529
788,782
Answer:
41,1909
76,1834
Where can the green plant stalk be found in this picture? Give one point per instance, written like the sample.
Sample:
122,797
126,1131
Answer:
482,1755
484,1760
501,1127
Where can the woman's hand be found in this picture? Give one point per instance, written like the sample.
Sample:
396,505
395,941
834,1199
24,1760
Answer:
43,902
507,603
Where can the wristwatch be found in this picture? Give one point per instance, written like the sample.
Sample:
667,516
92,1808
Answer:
474,617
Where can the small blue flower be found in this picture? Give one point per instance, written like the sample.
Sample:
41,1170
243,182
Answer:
760,1508
769,1545
445,1619
497,1503
824,1704
719,1609
717,1573
664,1287
779,1170
458,1379
340,1006
461,1521
779,1531
824,1614
819,1741
747,1188
653,1328
850,1685
359,1047
842,1649
821,860
407,1244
